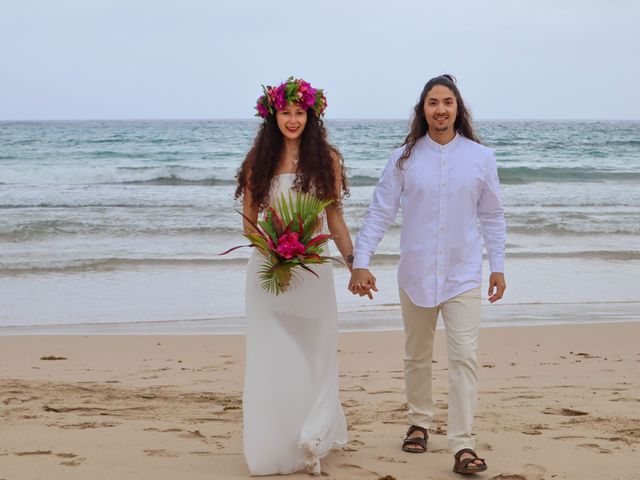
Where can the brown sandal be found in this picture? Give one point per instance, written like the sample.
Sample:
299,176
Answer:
467,465
420,442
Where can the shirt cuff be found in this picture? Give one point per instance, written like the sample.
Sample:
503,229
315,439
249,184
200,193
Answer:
496,264
360,260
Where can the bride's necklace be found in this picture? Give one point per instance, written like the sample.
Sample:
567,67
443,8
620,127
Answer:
295,159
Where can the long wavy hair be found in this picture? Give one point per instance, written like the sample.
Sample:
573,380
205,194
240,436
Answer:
315,164
419,126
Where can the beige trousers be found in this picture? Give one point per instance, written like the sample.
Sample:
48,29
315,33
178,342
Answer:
461,317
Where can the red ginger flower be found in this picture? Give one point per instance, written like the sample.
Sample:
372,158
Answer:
289,246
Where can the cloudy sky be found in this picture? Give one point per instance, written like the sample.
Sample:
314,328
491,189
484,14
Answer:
107,59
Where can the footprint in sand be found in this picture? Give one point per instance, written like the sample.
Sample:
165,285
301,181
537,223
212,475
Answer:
568,437
529,472
484,446
534,429
166,430
85,425
523,397
160,453
66,455
36,452
17,400
390,460
438,450
566,412
533,472
355,388
194,435
357,471
353,446
594,447
74,463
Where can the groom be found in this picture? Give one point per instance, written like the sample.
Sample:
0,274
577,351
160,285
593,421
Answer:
447,184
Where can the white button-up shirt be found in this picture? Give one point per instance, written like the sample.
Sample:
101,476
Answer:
450,199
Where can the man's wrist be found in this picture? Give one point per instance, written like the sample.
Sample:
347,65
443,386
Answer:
360,262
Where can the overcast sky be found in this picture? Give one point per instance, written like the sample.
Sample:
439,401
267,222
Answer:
107,59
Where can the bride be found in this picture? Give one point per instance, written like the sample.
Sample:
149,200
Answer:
291,407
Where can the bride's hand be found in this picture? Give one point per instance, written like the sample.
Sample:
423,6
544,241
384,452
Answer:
362,282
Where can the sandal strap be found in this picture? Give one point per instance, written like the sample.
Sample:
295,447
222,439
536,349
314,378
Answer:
467,450
465,462
415,441
415,428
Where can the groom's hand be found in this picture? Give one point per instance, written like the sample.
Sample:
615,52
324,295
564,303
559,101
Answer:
497,286
362,282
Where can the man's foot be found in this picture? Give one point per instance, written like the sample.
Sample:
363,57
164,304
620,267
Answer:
416,440
468,462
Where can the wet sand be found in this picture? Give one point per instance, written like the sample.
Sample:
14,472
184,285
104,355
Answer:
556,402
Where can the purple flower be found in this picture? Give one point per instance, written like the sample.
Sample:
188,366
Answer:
262,110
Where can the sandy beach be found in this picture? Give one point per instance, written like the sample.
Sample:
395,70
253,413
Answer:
556,402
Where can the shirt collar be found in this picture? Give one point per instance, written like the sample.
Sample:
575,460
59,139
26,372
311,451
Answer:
439,146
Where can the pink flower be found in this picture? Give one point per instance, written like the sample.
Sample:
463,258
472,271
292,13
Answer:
280,99
262,110
289,245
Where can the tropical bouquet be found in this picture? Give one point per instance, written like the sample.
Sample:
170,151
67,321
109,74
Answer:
286,236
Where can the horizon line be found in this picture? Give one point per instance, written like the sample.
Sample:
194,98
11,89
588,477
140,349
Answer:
150,119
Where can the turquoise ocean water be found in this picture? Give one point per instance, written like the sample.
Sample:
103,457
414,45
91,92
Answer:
116,225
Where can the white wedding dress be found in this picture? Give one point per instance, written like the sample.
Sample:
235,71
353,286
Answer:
291,407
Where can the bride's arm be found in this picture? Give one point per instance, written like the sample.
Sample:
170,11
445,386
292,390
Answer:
250,210
335,220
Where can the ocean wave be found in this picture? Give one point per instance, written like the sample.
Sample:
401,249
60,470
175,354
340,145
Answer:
84,204
47,229
385,259
121,154
563,174
585,228
175,180
172,174
619,255
107,264
363,181
193,175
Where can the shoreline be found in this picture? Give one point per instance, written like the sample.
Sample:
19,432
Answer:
554,402
380,318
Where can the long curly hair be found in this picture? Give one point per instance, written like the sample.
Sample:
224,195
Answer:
315,164
419,126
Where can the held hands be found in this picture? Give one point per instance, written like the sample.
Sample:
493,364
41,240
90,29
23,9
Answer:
497,286
362,282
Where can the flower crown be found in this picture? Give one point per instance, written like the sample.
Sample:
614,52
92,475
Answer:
294,90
